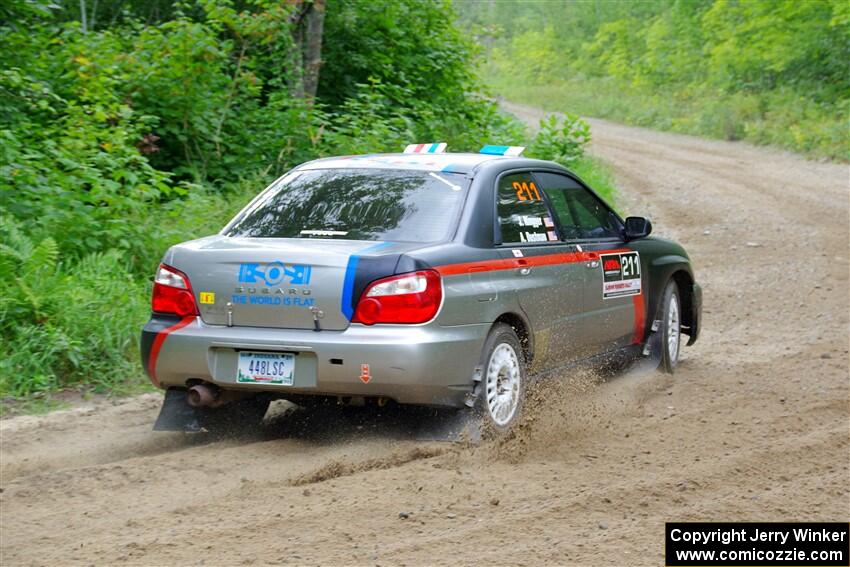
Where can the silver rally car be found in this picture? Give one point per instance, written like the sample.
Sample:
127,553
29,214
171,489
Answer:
424,278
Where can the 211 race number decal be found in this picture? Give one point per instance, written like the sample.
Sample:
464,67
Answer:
620,274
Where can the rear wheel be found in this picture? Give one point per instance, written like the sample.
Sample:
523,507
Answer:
502,386
670,330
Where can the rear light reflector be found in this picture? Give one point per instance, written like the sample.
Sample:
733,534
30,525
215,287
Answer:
405,299
172,293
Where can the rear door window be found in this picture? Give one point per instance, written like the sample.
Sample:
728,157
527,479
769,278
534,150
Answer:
524,216
580,214
358,204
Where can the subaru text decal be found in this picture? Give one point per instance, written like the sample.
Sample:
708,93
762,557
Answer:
274,273
260,284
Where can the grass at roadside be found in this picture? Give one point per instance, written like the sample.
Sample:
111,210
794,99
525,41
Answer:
86,314
778,118
598,175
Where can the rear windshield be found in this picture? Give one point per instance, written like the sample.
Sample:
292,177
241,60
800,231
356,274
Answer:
357,204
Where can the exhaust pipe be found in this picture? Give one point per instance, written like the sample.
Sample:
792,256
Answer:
201,395
211,396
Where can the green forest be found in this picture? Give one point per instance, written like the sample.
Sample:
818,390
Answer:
765,71
127,126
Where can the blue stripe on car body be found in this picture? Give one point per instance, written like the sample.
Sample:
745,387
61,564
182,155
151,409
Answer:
347,301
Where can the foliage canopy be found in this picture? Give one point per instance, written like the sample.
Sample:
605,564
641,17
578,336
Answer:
129,125
769,71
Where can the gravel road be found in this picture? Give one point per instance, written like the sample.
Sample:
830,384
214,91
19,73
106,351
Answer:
753,426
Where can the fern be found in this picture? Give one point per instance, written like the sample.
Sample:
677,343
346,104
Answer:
27,271
43,257
13,242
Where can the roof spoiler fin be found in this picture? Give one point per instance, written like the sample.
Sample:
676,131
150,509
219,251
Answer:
433,148
512,151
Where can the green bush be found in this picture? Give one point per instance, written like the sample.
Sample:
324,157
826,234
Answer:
561,138
155,127
65,323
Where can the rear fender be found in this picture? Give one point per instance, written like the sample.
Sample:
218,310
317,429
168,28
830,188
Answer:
158,324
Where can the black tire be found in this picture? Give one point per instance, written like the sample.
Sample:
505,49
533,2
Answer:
500,334
237,416
670,355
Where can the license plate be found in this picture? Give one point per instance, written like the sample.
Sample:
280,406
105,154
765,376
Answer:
265,368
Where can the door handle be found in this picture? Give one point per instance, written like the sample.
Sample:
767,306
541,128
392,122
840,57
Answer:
591,260
524,268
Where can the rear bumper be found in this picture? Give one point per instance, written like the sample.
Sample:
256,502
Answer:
427,364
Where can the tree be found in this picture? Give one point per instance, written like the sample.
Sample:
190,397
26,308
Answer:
308,21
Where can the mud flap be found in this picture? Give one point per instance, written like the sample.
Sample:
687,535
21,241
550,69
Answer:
650,358
455,426
176,414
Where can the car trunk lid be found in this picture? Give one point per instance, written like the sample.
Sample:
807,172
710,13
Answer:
276,282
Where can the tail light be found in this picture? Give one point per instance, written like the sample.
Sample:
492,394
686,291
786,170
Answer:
172,293
408,298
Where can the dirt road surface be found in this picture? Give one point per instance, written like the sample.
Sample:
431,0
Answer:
753,426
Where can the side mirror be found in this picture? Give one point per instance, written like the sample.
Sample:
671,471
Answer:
637,227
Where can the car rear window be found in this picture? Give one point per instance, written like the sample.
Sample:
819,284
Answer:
357,204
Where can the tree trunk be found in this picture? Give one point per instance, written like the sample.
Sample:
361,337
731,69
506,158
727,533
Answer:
308,22
83,16
313,47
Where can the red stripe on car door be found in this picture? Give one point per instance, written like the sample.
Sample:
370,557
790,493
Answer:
524,262
640,318
548,260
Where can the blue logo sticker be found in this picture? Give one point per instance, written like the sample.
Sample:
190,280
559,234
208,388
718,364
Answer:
275,273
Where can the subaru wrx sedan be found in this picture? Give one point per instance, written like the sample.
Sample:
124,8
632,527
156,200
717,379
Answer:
425,278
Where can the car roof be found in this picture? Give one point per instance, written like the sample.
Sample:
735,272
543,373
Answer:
444,162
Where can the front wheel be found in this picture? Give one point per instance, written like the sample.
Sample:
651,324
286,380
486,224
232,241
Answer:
502,388
670,330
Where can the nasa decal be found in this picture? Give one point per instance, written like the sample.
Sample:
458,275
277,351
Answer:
620,274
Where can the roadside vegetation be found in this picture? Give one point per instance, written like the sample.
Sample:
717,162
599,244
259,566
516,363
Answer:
127,126
765,71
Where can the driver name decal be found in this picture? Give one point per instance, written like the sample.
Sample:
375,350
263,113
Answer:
620,274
